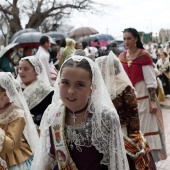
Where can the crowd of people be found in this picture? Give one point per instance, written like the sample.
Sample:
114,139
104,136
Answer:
78,107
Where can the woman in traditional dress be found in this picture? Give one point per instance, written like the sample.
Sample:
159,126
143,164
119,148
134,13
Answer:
36,87
18,134
139,67
123,96
81,131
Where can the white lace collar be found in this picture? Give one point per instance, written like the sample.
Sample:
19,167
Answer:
10,114
36,92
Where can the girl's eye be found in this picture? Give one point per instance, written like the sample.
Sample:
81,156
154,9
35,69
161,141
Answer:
64,82
26,69
23,69
80,85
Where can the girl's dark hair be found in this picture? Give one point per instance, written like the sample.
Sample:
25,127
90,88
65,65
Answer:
135,34
2,89
29,63
8,52
84,64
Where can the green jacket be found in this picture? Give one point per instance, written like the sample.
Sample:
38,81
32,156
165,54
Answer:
5,65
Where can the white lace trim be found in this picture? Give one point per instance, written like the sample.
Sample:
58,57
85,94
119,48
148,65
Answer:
3,163
2,135
35,62
113,73
80,136
36,92
10,114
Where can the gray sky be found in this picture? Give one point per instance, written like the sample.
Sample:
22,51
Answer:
144,15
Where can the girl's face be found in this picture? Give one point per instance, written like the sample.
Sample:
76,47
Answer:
27,72
129,40
162,55
3,98
75,87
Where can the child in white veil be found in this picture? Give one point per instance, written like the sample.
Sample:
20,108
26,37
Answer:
98,133
35,85
18,133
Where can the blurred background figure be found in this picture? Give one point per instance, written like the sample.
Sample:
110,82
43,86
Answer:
44,56
68,50
7,64
78,45
89,50
163,66
27,51
114,48
155,53
53,53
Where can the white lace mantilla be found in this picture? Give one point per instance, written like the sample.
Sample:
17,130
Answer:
36,92
114,75
103,140
80,136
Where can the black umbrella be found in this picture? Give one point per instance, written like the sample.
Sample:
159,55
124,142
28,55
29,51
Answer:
22,31
56,35
31,39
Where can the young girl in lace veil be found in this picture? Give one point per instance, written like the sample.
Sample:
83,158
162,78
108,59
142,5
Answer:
81,128
18,135
35,85
123,96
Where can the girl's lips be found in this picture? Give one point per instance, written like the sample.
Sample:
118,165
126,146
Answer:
22,76
71,100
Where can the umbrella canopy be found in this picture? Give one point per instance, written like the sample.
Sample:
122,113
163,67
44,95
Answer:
31,39
91,38
82,32
23,31
56,35
7,48
105,37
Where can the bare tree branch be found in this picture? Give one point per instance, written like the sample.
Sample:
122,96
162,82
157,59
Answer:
38,12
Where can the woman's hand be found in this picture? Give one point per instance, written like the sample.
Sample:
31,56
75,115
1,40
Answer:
54,75
153,107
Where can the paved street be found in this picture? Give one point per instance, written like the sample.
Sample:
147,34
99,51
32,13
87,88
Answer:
165,165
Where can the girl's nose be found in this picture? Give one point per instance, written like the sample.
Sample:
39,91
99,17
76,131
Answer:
71,91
